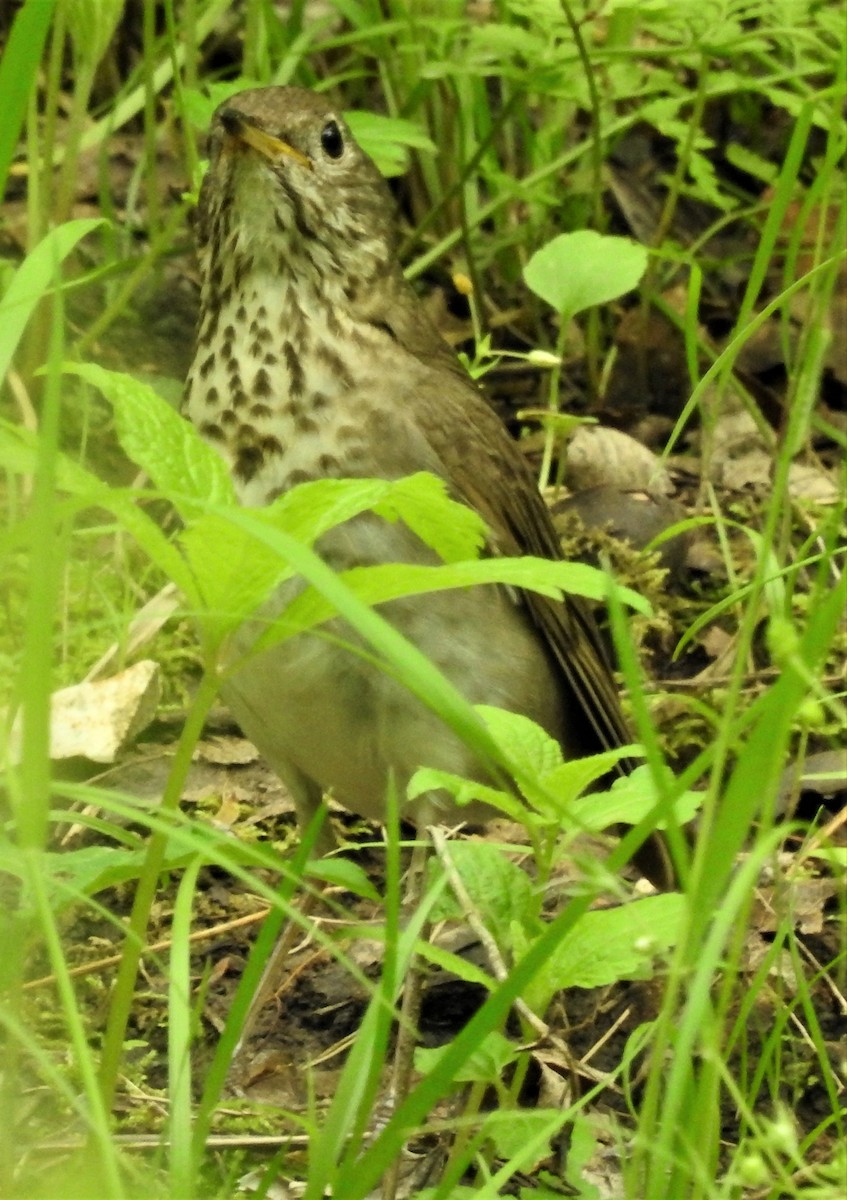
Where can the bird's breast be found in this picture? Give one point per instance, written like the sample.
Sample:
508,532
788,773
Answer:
285,388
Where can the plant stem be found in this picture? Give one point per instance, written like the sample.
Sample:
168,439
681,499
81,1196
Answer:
122,994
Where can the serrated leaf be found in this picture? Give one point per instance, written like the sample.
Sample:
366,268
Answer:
236,571
463,791
498,889
498,41
451,529
429,779
569,780
392,581
404,658
311,509
528,746
575,271
73,874
604,947
233,572
486,1065
628,801
523,1135
160,441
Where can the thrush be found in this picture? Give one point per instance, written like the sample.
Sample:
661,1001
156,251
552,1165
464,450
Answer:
316,359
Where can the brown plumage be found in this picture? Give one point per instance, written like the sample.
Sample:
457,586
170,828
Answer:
315,359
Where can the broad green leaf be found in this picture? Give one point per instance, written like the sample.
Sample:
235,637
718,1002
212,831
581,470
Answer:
233,572
310,509
604,947
159,440
575,271
73,874
236,572
486,1065
570,779
342,873
498,889
33,279
198,106
523,1136
451,529
525,742
379,584
836,856
496,42
463,791
552,794
582,1146
159,549
461,967
549,785
628,801
387,139
422,678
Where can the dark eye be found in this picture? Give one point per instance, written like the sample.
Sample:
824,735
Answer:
331,140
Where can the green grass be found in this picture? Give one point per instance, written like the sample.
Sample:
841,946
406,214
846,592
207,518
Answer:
526,109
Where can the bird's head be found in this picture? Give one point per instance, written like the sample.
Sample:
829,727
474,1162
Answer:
289,190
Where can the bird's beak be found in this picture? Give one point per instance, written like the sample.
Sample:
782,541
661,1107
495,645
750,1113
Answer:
241,129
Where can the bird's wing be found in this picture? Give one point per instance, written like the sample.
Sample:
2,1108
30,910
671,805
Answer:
488,472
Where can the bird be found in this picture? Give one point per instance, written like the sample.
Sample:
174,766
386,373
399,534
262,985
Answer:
315,358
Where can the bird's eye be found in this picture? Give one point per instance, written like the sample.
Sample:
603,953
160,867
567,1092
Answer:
331,140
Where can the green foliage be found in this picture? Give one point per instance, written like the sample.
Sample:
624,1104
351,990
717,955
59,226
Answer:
552,789
605,947
75,874
578,270
508,121
91,25
19,66
32,281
